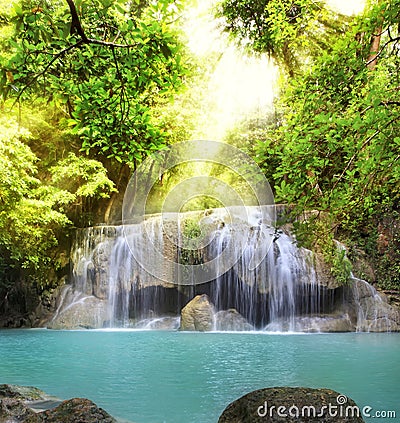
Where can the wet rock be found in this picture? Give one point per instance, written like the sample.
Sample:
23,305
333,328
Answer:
298,405
85,312
198,315
313,324
17,405
26,393
75,410
374,313
325,324
160,323
361,266
323,273
101,269
15,411
231,320
14,400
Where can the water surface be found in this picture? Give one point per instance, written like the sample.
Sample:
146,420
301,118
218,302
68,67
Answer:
175,377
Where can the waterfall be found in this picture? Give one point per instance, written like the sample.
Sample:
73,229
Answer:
142,275
282,286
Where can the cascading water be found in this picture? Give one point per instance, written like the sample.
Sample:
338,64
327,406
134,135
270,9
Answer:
261,275
281,287
270,281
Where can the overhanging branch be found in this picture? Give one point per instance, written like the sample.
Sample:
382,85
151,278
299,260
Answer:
48,66
76,27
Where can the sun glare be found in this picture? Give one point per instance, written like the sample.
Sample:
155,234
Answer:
238,85
348,7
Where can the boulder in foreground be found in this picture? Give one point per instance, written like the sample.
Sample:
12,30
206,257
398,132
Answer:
298,405
20,404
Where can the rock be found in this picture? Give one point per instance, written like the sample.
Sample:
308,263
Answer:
75,410
323,273
25,393
101,269
329,323
374,313
231,320
361,266
313,324
298,405
83,312
160,323
17,405
198,315
15,411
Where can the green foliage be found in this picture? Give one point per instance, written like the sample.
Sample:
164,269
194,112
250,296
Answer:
337,146
34,208
255,136
341,265
190,253
191,228
284,29
108,73
81,177
379,238
28,220
339,149
17,164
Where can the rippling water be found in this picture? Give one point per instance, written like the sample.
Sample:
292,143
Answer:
175,377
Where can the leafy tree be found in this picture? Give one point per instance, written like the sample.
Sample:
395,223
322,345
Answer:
254,131
286,30
107,63
338,143
33,211
27,220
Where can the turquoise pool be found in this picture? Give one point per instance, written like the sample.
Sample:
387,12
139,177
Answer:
176,377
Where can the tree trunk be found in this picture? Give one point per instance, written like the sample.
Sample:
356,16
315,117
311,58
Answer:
375,44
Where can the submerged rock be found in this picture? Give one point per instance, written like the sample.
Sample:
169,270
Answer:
314,324
298,405
160,323
20,404
198,315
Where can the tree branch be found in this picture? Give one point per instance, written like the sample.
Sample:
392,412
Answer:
56,57
378,54
76,27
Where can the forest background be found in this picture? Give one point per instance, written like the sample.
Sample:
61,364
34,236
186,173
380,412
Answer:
90,89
